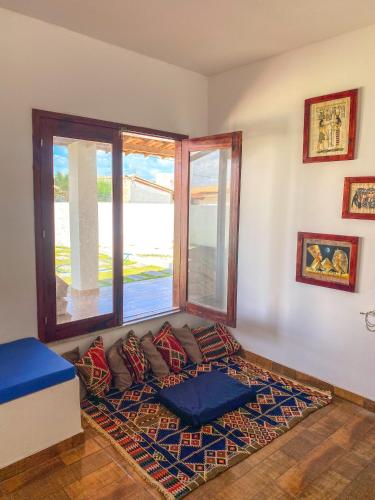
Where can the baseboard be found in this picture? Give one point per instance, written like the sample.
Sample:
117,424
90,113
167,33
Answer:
41,456
268,364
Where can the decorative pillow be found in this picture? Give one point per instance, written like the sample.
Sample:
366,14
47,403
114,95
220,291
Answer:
94,370
134,357
189,343
121,376
231,344
73,356
158,366
210,343
170,348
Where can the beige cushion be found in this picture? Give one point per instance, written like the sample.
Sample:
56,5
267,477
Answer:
158,365
121,377
73,356
189,343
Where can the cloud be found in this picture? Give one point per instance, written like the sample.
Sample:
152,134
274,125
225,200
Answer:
133,164
146,167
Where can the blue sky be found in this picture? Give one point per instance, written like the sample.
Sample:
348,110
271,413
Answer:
133,164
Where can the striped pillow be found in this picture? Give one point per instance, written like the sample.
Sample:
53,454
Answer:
215,342
211,344
231,344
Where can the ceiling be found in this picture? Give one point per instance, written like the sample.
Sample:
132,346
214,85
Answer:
207,36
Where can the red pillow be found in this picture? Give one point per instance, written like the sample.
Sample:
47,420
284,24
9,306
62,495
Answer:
170,348
135,358
231,344
94,370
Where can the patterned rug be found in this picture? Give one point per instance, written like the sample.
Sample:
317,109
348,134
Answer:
177,459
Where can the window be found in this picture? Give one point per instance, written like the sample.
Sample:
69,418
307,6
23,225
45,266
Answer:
131,223
211,181
148,199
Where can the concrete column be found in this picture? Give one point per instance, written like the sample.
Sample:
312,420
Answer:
83,210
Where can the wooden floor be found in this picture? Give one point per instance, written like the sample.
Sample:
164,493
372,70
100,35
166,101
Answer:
330,454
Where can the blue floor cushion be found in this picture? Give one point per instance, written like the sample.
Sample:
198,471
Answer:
27,366
204,398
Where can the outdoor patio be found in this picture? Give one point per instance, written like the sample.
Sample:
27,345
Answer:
140,297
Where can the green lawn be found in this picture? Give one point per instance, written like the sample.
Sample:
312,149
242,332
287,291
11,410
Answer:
105,275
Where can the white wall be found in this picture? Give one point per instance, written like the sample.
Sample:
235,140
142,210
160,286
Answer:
47,67
313,329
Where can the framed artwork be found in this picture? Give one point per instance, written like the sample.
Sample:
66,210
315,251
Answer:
359,198
330,127
327,260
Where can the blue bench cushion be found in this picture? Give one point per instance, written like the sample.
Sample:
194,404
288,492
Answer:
28,366
204,398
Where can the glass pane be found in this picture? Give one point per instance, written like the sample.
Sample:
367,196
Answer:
148,192
83,228
209,209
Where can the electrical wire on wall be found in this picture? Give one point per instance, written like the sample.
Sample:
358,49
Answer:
369,320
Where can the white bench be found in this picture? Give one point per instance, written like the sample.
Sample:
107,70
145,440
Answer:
39,400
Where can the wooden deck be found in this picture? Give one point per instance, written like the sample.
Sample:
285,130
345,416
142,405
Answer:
330,454
142,297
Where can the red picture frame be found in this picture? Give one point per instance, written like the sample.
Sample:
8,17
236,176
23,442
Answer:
351,132
319,266
347,201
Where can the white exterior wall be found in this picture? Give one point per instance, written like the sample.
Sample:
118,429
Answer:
148,226
147,194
